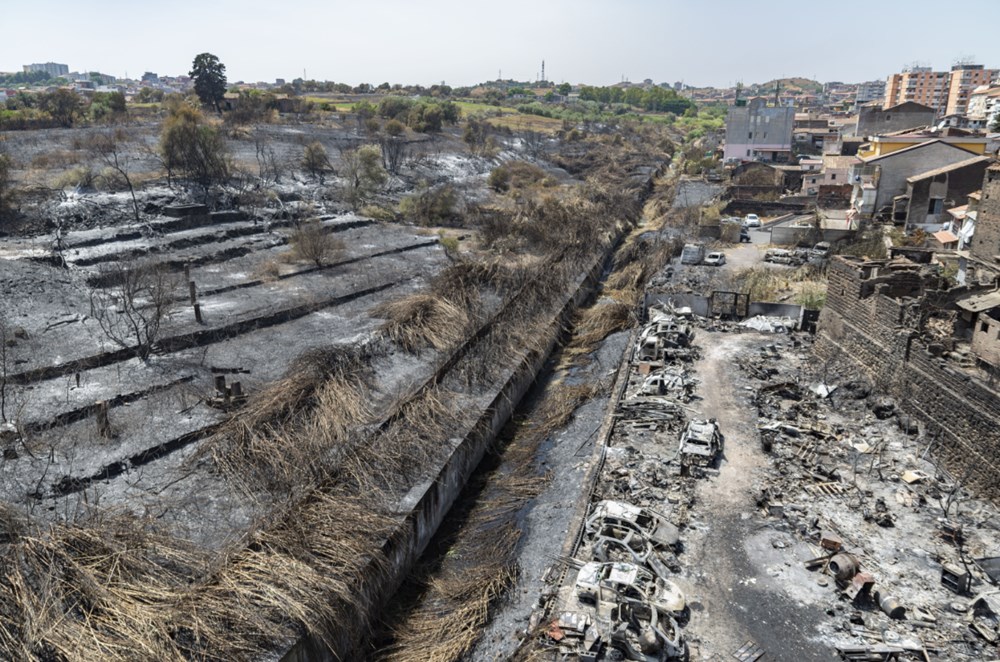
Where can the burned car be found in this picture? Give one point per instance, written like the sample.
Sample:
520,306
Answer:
618,514
623,532
619,631
628,582
665,334
783,256
700,444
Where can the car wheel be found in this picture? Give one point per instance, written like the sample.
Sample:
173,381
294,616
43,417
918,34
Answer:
616,654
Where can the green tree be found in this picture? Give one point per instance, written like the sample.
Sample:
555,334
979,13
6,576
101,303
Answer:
315,160
364,174
108,106
149,95
564,89
63,106
209,79
193,147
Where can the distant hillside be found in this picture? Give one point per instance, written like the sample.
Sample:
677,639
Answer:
804,85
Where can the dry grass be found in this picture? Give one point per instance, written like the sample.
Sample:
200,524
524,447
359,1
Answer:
284,433
764,284
600,321
268,270
456,606
423,320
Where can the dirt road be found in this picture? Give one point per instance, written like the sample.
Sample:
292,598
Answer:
733,600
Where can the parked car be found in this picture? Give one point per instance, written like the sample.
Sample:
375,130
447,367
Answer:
700,443
627,582
715,259
751,221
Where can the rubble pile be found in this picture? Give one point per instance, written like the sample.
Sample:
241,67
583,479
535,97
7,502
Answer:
904,550
859,525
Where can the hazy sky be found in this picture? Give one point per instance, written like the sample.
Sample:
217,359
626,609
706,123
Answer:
703,42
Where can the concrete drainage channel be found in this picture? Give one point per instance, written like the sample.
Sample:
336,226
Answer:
427,504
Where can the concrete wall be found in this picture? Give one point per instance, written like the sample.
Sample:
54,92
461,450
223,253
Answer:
896,167
775,310
871,318
701,305
786,235
875,121
743,207
694,192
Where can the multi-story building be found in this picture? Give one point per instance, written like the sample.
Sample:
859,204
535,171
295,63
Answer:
873,90
53,69
919,85
964,78
757,132
947,92
984,105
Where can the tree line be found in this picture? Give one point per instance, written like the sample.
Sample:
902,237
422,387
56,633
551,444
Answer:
655,98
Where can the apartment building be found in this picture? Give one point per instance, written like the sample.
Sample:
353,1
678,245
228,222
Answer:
947,92
53,69
919,85
964,78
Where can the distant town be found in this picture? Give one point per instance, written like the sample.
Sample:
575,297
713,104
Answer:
965,94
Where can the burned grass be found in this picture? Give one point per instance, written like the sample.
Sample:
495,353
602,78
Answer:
276,440
423,320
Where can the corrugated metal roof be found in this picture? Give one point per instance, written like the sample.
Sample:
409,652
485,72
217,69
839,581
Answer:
945,237
977,303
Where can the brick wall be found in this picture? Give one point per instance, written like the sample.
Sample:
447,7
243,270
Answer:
872,317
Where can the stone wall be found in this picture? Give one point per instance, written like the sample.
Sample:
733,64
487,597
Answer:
872,318
986,240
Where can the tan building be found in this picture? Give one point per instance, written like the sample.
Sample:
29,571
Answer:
919,85
947,92
963,79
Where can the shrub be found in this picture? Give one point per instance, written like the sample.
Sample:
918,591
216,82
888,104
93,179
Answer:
312,243
78,177
378,213
517,175
315,160
430,206
450,244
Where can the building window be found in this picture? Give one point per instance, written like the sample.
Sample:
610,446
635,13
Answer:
935,206
983,327
833,176
750,136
